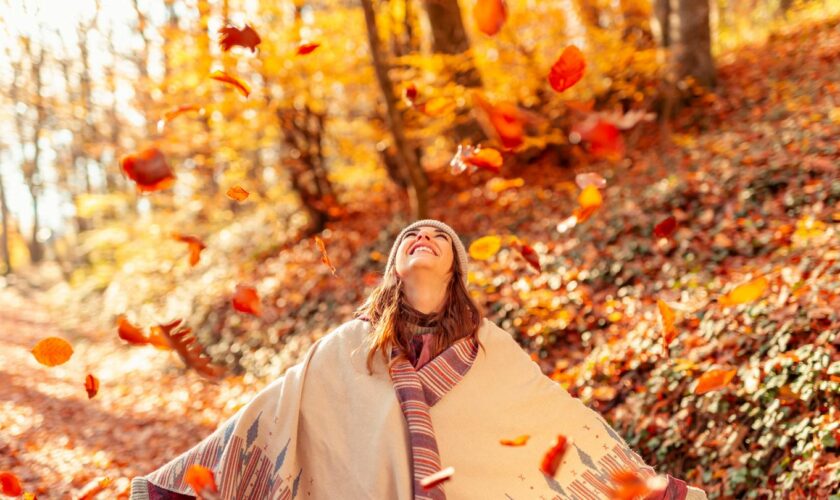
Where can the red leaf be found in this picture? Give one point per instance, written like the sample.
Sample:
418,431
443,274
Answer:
489,15
713,380
237,193
246,300
324,258
245,37
604,138
10,484
568,69
234,81
200,479
306,48
410,93
551,459
130,333
148,169
180,339
195,245
437,478
590,179
529,254
487,158
91,385
665,228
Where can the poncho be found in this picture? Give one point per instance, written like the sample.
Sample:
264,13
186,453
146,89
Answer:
328,429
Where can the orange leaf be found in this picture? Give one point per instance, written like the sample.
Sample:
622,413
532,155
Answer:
603,138
436,106
195,245
92,488
306,48
236,82
630,485
52,351
551,459
665,228
180,339
324,258
489,15
589,201
245,37
246,300
148,169
437,478
91,385
746,292
10,484
158,339
184,108
517,441
130,333
713,380
590,179
568,69
487,158
667,317
237,193
200,479
504,119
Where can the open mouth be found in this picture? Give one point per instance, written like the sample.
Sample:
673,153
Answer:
421,248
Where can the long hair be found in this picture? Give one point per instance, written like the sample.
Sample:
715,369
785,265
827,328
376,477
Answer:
459,317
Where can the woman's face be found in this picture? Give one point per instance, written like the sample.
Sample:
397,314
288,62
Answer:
425,252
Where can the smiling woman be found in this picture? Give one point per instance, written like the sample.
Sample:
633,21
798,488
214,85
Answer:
418,397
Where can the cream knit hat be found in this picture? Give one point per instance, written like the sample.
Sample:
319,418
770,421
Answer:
460,252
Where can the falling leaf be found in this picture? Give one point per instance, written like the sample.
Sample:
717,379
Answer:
746,292
188,349
487,158
200,479
589,201
195,246
93,488
234,81
246,300
590,179
529,254
630,485
551,459
568,69
246,37
666,315
436,106
148,169
489,15
517,441
604,140
485,247
177,111
324,258
237,193
504,119
497,185
91,385
306,48
130,333
713,380
10,484
410,93
52,351
437,478
665,228
158,339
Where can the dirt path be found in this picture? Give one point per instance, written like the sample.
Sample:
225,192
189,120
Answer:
56,440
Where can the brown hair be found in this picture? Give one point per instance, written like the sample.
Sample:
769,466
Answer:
460,316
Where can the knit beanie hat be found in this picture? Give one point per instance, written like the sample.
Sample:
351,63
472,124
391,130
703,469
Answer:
460,252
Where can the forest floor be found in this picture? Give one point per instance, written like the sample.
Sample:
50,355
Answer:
753,187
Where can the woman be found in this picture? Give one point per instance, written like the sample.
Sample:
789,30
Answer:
418,382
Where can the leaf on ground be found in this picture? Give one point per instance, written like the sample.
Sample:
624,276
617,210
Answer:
195,246
552,458
234,81
489,15
91,385
52,351
713,380
148,169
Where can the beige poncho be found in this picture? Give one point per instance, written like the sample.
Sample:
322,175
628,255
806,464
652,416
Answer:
327,430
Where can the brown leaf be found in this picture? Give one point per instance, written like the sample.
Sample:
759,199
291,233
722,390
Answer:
665,228
246,37
181,340
148,169
52,351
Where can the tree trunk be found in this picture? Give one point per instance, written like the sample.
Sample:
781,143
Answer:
662,22
694,53
418,194
4,219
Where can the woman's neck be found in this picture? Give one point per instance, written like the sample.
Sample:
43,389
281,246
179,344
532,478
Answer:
425,299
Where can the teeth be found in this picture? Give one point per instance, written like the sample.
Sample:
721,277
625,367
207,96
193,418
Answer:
423,249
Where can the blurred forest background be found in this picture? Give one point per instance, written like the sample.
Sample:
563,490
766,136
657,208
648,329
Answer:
649,190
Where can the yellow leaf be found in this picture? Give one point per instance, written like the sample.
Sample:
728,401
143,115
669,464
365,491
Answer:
666,315
746,292
485,247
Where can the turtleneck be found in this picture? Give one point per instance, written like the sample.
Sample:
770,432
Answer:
423,327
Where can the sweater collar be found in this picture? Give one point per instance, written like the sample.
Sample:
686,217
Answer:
418,323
